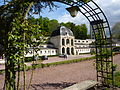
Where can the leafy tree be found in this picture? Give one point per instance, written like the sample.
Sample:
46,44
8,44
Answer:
116,31
79,31
84,31
53,25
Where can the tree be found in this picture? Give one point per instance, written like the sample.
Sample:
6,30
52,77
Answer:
83,31
53,25
116,31
79,31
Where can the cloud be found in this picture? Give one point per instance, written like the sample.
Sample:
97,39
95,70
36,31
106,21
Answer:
110,8
79,19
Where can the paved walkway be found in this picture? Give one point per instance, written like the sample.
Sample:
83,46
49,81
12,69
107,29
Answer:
61,76
58,59
55,59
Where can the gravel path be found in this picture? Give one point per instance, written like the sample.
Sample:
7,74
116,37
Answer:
61,76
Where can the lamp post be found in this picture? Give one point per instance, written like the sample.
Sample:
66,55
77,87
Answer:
73,10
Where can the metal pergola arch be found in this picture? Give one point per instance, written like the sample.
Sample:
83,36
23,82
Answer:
100,26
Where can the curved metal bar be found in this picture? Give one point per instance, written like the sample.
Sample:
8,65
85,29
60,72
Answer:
98,18
92,10
110,39
97,21
104,16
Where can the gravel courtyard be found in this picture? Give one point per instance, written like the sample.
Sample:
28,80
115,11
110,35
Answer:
61,76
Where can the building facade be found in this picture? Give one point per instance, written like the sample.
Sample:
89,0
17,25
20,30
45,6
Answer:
62,41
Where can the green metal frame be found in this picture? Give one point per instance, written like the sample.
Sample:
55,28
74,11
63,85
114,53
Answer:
100,28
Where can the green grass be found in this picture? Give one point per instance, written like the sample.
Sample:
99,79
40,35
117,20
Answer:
117,79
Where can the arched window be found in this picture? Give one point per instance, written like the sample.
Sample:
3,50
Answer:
63,50
63,42
41,52
67,41
68,50
72,51
72,42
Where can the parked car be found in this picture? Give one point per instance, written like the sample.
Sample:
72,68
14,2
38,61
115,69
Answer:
44,57
62,56
116,49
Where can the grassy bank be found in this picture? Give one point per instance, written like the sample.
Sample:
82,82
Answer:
117,79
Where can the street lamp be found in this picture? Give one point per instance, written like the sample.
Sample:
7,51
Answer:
35,12
73,10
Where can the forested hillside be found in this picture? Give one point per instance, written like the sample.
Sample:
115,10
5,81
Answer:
47,26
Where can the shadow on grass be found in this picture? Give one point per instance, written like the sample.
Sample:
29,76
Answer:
45,86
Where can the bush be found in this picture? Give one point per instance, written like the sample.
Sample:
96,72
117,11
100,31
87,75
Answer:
117,79
52,55
28,59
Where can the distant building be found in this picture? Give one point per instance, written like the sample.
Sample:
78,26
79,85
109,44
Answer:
83,46
41,51
62,41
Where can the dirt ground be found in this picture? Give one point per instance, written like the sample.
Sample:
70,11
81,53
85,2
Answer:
61,76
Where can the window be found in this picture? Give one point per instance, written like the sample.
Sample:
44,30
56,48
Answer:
72,42
67,41
63,50
52,51
40,51
30,52
63,42
68,50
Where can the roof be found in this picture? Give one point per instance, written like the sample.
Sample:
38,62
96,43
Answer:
41,48
62,30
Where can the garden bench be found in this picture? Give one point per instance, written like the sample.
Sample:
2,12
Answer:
84,85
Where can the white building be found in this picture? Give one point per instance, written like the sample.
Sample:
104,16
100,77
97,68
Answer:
62,41
41,51
83,46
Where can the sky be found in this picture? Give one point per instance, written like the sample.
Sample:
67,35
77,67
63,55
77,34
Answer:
111,8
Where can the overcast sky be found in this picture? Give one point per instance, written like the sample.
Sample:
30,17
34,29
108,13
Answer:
111,9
